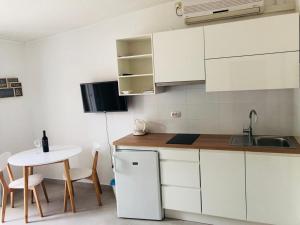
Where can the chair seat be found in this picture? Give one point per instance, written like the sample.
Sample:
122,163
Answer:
33,180
79,173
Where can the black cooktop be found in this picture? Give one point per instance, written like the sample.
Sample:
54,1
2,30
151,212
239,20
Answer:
183,139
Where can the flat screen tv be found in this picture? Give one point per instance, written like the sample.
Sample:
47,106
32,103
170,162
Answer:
102,97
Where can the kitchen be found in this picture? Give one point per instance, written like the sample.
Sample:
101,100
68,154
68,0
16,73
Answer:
215,179
177,89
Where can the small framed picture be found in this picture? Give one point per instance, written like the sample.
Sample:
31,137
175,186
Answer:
15,84
18,92
12,80
3,83
7,92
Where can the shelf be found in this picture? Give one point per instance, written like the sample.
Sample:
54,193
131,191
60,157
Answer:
135,59
137,93
136,75
135,56
136,38
135,66
134,46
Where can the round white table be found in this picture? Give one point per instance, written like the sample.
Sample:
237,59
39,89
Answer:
36,157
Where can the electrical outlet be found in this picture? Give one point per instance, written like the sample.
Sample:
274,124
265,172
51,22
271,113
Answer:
176,114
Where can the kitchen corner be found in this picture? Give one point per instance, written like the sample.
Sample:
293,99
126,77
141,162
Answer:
198,180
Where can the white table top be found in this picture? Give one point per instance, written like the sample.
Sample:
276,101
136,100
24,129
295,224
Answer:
36,157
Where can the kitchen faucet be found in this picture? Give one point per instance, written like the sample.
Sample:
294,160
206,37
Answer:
249,130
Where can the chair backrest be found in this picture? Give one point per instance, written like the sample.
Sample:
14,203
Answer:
3,160
94,150
4,164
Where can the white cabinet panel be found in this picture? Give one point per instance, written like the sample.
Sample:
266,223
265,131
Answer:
223,183
181,199
271,34
179,55
183,174
179,154
273,188
271,71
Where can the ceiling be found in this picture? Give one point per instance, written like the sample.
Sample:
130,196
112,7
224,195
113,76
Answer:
25,20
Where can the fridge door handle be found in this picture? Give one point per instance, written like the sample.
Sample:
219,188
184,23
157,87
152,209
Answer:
114,156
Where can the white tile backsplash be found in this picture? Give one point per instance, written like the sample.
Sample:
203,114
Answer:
217,112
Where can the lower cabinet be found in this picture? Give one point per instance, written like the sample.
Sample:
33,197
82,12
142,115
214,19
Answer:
181,199
180,179
182,174
257,187
273,188
223,183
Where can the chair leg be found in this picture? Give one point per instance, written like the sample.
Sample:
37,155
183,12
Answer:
99,184
45,191
4,201
12,199
66,197
31,191
32,197
97,189
37,200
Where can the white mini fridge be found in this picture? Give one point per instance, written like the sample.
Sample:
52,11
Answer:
138,184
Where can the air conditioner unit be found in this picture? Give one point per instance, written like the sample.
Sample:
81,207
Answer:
196,11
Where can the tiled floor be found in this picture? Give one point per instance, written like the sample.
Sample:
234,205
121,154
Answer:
88,213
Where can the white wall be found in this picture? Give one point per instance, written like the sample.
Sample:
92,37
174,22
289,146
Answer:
15,113
60,63
57,65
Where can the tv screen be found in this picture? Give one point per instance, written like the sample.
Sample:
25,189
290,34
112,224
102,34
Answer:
102,97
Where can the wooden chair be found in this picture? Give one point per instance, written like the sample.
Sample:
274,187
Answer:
33,182
85,173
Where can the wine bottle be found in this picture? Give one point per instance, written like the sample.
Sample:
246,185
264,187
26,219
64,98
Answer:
45,143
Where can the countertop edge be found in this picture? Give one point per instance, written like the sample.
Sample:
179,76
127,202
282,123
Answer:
205,142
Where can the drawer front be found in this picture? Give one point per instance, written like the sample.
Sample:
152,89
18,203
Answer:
179,154
181,199
183,174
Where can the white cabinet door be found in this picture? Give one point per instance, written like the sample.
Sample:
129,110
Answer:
183,174
223,183
273,188
271,71
179,55
181,199
271,34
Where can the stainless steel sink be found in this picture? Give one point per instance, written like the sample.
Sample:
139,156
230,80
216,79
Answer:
274,142
264,141
240,140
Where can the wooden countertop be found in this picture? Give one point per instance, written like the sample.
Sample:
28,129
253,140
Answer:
205,141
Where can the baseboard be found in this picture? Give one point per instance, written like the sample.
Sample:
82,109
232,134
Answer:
78,184
193,217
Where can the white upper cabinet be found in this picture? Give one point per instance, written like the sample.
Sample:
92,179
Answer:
223,183
271,71
255,54
271,34
273,184
179,55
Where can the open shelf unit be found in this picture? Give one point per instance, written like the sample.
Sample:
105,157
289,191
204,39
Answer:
135,66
